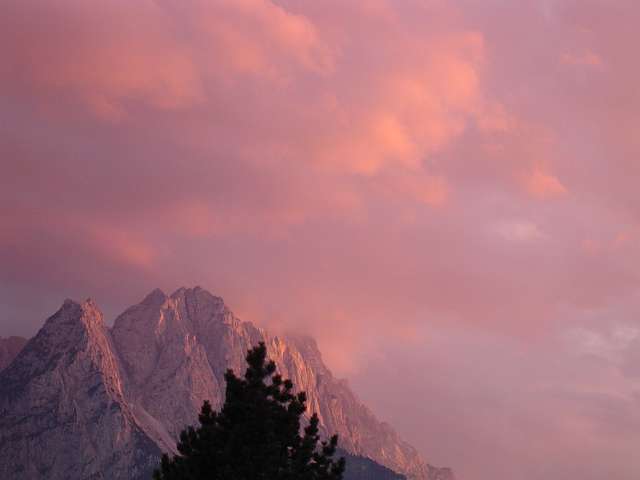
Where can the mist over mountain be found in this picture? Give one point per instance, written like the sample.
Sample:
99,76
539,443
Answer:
84,401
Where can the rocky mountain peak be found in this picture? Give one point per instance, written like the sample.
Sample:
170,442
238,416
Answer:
199,307
74,318
63,411
185,312
156,297
125,393
74,327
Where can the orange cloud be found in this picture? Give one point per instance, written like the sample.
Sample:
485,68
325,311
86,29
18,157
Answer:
494,117
121,245
404,113
432,190
541,184
584,59
108,56
261,38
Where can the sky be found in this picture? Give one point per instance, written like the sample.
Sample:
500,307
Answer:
443,193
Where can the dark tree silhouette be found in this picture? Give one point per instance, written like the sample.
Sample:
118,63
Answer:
256,435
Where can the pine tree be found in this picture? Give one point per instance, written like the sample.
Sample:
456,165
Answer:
256,435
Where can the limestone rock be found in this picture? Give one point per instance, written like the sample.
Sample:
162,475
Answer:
85,402
62,410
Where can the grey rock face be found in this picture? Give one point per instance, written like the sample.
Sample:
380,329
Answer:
62,410
9,348
169,374
83,402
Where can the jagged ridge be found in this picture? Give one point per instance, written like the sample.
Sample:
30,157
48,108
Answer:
62,410
154,368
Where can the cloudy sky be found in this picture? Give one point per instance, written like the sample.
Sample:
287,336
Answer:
444,193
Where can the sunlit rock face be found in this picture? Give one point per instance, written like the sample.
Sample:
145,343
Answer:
63,414
168,372
9,348
84,401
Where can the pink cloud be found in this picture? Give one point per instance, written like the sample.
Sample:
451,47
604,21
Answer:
544,185
369,172
586,59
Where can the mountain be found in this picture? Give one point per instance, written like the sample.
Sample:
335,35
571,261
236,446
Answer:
9,348
82,401
62,409
362,468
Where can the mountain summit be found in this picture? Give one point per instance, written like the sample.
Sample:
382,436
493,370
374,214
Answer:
82,401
